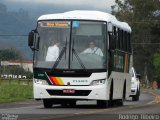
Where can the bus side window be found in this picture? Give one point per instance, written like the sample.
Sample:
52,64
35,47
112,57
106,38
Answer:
129,42
125,40
116,36
120,39
128,49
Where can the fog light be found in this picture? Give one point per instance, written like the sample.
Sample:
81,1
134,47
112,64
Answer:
41,82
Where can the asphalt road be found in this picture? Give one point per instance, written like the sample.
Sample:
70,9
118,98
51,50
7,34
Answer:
148,105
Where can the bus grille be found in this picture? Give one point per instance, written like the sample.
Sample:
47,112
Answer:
77,93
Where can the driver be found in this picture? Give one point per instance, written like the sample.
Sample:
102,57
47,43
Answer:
53,52
93,49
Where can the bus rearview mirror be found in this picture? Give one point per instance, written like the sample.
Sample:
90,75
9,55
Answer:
110,27
31,38
138,76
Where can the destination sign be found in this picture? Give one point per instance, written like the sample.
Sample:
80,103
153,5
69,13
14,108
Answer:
54,24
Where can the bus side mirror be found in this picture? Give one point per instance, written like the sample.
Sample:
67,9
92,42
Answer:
109,27
138,76
112,37
31,38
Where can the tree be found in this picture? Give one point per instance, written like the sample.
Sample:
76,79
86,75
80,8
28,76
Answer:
143,16
156,62
10,54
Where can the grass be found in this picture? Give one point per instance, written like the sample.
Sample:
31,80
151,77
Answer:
15,90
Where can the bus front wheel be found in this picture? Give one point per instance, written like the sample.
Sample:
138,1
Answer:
102,103
47,103
136,97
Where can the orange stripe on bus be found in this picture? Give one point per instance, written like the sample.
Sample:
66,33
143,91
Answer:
53,79
59,80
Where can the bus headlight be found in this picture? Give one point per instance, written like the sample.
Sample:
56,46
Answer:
41,82
98,82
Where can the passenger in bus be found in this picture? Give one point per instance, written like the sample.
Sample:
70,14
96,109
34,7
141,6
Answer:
53,52
93,49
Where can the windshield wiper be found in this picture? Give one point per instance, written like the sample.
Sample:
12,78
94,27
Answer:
60,55
78,58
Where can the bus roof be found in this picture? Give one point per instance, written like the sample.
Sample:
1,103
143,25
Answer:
87,15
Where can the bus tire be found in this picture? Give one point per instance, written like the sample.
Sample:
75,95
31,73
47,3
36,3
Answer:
102,103
119,102
47,103
136,97
72,104
64,105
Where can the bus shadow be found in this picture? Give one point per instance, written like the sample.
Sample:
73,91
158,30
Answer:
87,107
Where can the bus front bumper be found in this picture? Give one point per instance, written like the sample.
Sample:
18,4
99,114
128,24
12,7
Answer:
97,92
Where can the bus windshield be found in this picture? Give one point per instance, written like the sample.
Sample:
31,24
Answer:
71,45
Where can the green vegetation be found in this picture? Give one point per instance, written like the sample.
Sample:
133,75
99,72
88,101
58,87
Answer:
15,90
16,70
9,54
156,62
14,28
144,18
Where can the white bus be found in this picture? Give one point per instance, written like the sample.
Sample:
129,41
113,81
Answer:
93,60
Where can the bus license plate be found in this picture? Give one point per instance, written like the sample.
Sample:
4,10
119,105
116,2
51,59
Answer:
69,91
